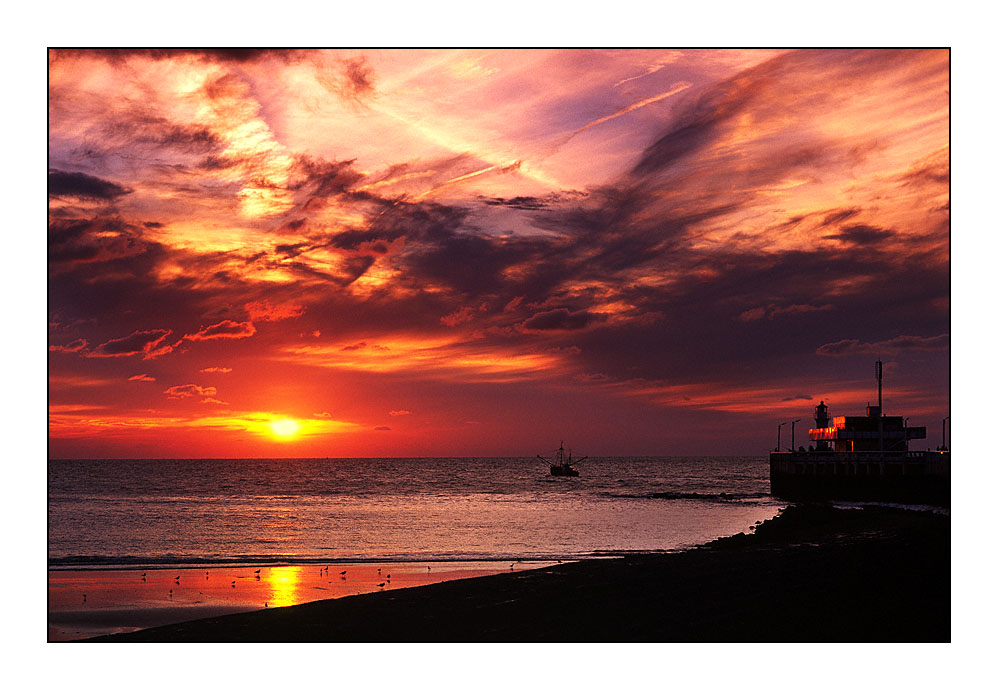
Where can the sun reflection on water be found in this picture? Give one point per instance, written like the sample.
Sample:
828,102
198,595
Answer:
284,585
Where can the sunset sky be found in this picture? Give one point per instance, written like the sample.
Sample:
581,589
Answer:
484,252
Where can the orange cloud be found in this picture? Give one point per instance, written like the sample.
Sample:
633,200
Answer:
149,344
224,329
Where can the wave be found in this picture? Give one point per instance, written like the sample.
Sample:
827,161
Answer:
722,497
244,560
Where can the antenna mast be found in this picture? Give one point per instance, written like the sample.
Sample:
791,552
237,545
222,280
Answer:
880,382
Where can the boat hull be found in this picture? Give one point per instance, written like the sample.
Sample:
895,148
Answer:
564,471
912,477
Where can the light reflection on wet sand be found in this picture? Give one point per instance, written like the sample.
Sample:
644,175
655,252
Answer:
85,603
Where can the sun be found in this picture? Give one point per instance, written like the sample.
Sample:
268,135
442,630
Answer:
284,428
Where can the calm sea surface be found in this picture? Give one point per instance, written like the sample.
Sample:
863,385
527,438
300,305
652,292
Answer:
114,513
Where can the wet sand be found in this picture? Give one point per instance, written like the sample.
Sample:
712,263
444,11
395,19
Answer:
814,573
86,603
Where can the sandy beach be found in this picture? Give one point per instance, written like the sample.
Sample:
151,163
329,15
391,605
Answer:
85,603
814,573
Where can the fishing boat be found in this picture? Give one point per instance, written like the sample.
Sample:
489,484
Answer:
561,465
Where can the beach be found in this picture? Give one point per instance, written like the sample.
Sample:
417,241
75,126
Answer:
814,573
85,603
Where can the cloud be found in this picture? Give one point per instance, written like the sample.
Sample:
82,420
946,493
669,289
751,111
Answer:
224,329
149,344
216,370
382,428
559,319
99,239
673,90
772,311
352,79
862,235
888,347
399,413
77,345
358,77
263,310
83,186
190,390
236,55
141,377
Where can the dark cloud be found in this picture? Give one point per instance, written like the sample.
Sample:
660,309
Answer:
559,319
147,343
351,79
892,346
320,178
524,203
84,186
358,77
77,345
862,235
234,55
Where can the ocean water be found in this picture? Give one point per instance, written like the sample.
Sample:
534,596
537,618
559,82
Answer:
148,513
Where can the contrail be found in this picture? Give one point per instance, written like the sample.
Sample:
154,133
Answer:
676,88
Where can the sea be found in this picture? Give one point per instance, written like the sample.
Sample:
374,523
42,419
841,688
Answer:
117,514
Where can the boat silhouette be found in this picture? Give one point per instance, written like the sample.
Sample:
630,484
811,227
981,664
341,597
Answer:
561,465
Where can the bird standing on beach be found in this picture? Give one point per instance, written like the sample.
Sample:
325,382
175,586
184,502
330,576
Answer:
343,574
381,584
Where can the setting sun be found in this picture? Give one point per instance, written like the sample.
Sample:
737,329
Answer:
284,428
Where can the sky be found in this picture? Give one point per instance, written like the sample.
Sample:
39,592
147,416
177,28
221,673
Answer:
484,252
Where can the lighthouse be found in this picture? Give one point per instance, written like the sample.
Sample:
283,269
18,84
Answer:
821,421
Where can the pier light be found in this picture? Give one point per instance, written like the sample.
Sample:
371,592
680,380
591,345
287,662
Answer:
779,429
793,426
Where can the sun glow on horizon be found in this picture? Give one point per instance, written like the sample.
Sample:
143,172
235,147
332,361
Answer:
284,429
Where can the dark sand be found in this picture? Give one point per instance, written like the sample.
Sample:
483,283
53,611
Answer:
88,603
813,574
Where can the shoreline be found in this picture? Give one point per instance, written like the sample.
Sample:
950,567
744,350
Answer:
84,603
813,573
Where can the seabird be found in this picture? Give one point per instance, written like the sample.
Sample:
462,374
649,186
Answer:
343,573
381,584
